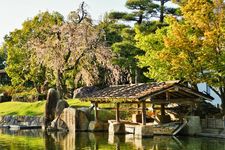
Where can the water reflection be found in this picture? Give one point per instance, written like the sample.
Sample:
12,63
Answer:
38,140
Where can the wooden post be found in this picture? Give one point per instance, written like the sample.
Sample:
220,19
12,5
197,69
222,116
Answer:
167,96
117,112
96,111
143,113
138,106
162,109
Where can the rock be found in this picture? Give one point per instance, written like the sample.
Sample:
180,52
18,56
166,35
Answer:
13,121
34,123
1,118
50,106
61,105
82,121
96,126
21,121
69,117
7,119
58,125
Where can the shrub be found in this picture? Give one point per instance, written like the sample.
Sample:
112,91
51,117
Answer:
6,90
26,96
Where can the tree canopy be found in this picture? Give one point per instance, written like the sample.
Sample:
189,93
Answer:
189,49
58,52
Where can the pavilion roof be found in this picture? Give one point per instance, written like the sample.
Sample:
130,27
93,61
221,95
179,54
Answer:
153,92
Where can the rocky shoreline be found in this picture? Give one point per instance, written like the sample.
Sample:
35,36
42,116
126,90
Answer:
21,122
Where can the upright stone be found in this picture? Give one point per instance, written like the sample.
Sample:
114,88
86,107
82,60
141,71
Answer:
69,117
82,121
50,106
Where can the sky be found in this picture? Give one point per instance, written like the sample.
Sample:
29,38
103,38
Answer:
14,12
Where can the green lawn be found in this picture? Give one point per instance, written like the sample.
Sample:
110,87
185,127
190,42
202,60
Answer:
32,109
37,109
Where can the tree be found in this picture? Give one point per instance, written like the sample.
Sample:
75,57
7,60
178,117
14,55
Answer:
21,62
125,49
141,10
62,53
191,49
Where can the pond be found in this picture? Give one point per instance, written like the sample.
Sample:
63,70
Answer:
38,140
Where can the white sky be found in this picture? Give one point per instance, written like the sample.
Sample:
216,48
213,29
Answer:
14,12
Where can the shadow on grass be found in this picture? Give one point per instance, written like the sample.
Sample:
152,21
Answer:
31,113
12,113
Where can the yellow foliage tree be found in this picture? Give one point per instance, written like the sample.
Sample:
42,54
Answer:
191,48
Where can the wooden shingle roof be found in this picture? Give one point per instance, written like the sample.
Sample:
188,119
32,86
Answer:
145,91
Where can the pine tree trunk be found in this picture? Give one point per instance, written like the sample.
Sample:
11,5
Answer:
162,8
137,75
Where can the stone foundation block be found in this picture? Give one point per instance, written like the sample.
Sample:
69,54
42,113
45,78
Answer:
143,131
116,128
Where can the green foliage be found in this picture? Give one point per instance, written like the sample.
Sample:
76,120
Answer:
111,29
50,51
191,49
125,48
26,96
8,90
22,66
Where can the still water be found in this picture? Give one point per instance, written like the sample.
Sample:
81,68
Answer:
38,140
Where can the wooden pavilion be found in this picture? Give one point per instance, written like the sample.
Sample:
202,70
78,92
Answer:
154,93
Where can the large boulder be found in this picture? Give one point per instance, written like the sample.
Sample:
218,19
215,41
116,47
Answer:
82,121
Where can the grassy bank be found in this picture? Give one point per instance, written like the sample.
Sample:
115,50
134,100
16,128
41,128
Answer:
31,109
37,109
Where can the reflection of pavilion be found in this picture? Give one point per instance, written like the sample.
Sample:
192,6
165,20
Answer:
155,143
156,94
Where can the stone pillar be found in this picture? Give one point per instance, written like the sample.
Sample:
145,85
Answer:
69,117
116,128
143,131
143,113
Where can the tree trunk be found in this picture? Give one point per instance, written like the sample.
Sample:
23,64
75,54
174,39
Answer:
137,75
162,8
222,97
221,94
59,83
